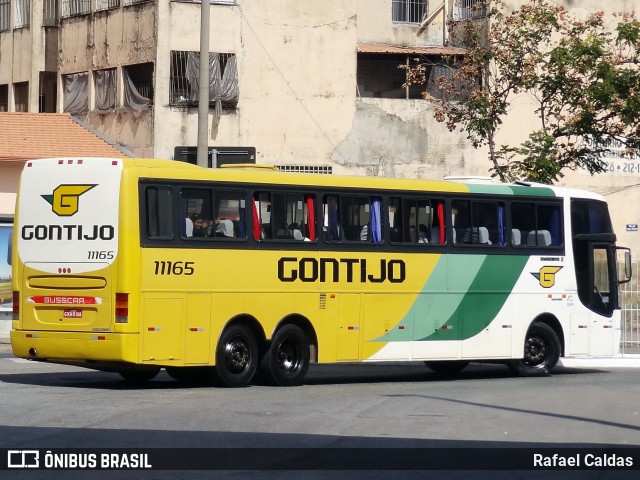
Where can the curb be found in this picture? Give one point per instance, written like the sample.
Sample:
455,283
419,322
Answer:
626,360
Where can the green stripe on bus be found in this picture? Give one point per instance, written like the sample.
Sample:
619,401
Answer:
460,299
511,190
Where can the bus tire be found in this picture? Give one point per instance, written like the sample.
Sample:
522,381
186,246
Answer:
286,362
139,375
447,367
541,352
236,357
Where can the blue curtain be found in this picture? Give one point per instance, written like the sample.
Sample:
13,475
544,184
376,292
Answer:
376,221
501,225
242,225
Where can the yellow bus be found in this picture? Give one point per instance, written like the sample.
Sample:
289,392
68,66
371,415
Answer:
248,274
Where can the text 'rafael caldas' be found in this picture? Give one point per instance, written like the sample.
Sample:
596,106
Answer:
582,460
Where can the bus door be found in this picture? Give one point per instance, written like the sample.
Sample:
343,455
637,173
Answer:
596,275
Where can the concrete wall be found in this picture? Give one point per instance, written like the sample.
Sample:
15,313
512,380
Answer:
114,38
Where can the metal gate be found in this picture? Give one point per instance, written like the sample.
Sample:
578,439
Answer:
630,303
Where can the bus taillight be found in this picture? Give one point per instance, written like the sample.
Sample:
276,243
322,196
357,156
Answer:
16,305
122,308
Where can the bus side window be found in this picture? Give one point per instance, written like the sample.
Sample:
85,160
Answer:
159,208
284,216
229,219
535,225
347,218
195,212
416,221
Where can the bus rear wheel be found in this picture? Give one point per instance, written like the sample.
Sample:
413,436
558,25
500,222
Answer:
236,357
541,352
286,362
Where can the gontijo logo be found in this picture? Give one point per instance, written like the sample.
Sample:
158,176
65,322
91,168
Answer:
66,199
547,275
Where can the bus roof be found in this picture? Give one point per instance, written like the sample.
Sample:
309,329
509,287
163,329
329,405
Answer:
265,174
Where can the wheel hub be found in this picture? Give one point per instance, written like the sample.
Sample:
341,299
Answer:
535,351
237,355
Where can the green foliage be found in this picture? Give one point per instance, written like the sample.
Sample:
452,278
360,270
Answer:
583,77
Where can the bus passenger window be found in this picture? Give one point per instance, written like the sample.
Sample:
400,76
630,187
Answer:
159,206
478,223
284,216
229,219
195,212
416,221
535,225
347,218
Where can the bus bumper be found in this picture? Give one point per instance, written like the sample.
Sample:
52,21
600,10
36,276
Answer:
71,347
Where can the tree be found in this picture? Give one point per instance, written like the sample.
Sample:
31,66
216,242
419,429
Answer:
583,78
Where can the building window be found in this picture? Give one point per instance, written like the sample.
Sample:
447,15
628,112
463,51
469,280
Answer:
185,75
106,4
379,76
5,14
50,13
465,9
409,11
4,98
22,13
382,75
21,96
138,86
48,92
104,82
72,8
75,93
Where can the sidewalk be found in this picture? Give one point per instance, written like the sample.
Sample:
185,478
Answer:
630,360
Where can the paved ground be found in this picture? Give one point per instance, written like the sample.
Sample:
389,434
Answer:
631,360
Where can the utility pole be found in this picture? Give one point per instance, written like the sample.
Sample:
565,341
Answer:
203,86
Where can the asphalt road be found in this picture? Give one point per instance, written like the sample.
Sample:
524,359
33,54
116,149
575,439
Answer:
381,408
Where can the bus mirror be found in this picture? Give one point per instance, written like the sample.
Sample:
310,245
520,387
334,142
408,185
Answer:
628,271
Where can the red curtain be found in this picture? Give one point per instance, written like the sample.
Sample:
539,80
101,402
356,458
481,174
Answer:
311,217
256,222
441,222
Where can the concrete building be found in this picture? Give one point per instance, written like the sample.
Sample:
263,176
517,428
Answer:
311,85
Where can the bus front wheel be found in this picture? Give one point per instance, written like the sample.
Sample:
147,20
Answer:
236,356
286,362
541,352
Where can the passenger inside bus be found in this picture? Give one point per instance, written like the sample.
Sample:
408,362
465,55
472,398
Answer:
422,233
200,226
188,227
224,228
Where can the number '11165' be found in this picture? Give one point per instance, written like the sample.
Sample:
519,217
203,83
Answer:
173,268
